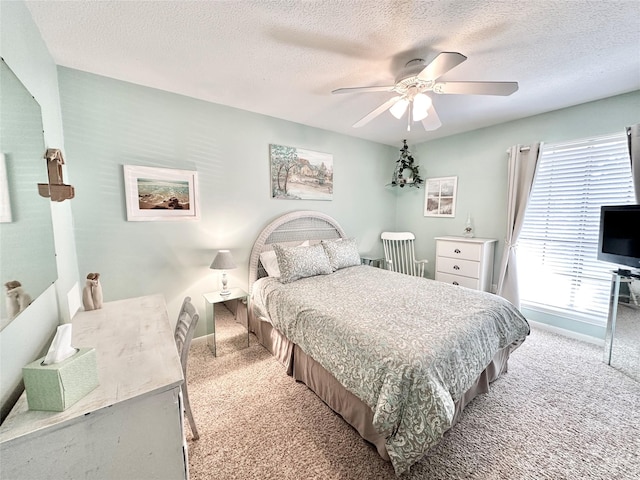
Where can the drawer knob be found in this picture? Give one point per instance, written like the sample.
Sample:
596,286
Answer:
456,267
457,250
456,283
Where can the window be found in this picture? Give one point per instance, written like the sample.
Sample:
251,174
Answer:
557,264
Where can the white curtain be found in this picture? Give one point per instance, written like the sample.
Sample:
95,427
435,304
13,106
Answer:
522,168
633,137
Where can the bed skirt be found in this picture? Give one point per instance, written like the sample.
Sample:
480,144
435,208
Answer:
355,412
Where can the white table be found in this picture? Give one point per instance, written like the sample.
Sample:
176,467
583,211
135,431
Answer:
239,296
130,426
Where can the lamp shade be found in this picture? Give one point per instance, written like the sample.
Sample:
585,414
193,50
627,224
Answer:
398,108
223,261
421,106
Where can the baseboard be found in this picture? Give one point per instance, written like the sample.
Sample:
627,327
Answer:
567,333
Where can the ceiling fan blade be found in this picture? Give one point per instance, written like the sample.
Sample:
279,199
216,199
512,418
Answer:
432,121
476,88
440,65
384,88
370,116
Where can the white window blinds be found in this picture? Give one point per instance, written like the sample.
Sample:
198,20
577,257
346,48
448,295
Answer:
558,267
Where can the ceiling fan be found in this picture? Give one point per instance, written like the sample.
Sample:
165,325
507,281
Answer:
419,77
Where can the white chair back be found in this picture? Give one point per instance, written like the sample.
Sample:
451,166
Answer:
183,334
399,253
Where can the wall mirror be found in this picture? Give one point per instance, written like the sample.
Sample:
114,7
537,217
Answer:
27,252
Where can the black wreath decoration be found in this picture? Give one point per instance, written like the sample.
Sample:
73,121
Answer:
406,173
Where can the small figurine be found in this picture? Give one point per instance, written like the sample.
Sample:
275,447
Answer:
17,298
87,298
96,291
92,293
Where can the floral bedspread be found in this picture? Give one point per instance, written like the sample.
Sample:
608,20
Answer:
408,347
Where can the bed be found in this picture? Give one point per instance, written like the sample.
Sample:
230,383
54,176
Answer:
398,357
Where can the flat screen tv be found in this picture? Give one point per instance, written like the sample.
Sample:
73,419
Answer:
619,240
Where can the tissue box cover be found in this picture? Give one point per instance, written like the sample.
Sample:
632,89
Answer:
57,386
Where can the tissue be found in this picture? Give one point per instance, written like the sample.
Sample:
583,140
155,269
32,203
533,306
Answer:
60,349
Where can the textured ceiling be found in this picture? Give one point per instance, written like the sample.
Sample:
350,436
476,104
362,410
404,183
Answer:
283,58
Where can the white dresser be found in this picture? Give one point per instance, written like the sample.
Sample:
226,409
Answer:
130,426
465,261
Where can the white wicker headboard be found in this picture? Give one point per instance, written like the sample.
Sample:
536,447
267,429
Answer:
293,227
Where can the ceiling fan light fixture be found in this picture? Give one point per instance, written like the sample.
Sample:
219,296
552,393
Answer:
398,109
419,76
421,105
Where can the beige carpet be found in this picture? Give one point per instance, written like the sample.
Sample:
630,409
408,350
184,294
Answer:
559,413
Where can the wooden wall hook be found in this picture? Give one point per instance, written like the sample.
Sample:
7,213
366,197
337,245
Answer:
56,188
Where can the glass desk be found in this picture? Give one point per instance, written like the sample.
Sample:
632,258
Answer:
622,338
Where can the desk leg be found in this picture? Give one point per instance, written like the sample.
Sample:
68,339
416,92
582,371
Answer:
611,320
211,327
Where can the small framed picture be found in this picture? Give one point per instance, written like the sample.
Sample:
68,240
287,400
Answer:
160,194
440,197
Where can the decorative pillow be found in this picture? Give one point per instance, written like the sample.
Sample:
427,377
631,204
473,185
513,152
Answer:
270,262
342,254
301,262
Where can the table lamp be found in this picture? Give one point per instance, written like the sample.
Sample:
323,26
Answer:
223,261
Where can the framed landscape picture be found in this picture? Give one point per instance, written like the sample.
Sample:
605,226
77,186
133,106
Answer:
298,174
440,197
164,194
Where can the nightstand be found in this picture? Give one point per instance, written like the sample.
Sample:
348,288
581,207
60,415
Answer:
372,260
239,296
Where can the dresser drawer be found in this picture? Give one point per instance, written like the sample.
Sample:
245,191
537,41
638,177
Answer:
463,250
456,266
473,283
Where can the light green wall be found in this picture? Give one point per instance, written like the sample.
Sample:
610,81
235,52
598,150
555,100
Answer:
479,160
24,339
110,123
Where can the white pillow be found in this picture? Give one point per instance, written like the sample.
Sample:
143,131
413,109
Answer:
270,262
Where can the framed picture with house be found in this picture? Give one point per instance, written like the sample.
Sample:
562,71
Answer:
299,174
